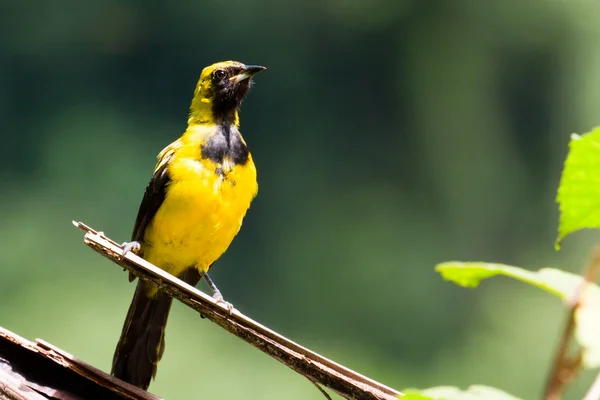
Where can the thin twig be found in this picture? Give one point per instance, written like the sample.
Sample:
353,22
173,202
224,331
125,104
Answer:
564,368
323,392
315,367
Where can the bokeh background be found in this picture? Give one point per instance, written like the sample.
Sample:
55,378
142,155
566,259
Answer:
389,135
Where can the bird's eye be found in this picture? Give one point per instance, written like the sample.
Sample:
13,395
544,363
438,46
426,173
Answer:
220,74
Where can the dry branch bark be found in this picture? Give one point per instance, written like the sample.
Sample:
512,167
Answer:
39,371
565,368
317,368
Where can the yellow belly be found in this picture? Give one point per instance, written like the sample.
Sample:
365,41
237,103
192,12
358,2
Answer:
201,214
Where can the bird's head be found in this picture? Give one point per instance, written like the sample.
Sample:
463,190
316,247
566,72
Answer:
221,90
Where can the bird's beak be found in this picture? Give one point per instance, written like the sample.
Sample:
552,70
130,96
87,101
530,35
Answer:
247,73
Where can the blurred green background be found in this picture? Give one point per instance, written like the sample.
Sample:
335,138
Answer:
389,135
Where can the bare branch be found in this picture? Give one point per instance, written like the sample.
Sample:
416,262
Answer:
316,368
37,370
565,368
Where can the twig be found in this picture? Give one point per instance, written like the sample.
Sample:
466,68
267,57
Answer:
323,392
564,368
316,368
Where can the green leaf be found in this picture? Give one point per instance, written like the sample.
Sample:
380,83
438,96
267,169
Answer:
560,283
415,395
475,392
470,274
579,190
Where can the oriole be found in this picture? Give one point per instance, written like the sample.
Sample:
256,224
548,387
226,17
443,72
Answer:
192,208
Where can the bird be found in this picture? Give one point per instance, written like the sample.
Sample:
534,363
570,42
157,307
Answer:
192,208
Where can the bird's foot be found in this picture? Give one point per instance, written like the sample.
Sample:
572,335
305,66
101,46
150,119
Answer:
220,300
133,247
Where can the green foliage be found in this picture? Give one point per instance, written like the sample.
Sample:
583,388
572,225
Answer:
560,283
579,203
414,395
470,274
475,392
579,190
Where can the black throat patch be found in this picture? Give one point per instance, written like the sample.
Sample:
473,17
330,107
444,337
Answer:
226,142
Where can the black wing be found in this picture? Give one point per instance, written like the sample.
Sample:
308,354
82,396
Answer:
153,197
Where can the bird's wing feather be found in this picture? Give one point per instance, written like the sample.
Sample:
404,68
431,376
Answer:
155,192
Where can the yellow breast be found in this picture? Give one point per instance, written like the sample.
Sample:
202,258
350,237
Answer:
203,209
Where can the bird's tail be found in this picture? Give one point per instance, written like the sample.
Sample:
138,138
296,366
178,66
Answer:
142,340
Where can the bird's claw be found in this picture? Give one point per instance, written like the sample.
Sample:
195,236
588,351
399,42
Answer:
220,300
133,247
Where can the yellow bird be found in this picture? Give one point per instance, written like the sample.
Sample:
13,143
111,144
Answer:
192,209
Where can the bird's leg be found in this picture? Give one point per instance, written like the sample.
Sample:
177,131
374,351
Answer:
216,292
213,288
134,247
130,246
